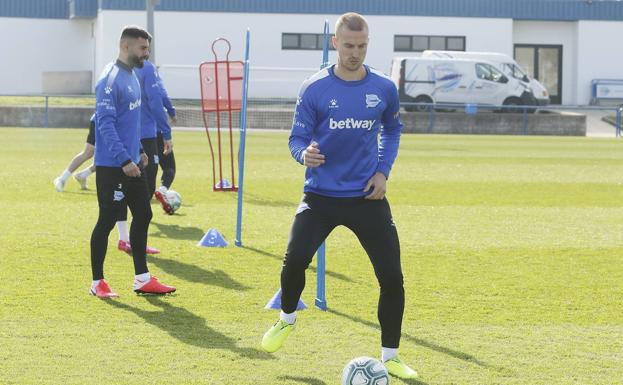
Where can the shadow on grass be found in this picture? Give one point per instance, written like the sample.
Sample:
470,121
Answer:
177,232
192,273
188,327
430,345
303,380
410,382
259,200
312,268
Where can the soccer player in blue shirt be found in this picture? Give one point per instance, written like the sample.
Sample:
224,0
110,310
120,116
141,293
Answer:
340,113
118,161
153,120
167,161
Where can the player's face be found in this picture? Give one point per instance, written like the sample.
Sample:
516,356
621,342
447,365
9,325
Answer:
138,51
351,47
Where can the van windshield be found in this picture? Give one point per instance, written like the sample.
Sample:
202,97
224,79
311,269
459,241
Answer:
513,70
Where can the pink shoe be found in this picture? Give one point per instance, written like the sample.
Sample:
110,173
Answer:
164,203
153,287
126,247
151,250
102,290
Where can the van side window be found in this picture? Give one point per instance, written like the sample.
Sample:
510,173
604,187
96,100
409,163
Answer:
488,72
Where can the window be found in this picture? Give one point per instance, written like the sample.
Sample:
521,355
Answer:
419,43
303,41
489,72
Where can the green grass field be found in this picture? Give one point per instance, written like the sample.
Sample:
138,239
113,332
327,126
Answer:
512,251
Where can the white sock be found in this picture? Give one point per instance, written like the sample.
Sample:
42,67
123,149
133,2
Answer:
388,353
85,173
122,228
163,189
289,318
65,175
94,284
141,279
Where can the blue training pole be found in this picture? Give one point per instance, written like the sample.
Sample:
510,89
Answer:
243,134
321,298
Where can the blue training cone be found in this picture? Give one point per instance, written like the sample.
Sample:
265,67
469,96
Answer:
224,183
275,302
212,239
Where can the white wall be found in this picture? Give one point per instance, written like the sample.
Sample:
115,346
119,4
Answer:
32,46
108,28
185,38
555,33
600,56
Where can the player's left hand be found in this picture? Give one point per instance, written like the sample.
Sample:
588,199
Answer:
144,160
378,183
168,147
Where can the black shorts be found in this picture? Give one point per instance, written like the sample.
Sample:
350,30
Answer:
91,136
115,189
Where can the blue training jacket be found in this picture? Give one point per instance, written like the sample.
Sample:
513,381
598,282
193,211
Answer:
118,115
153,117
345,118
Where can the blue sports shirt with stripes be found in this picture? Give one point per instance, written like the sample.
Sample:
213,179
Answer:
346,119
118,116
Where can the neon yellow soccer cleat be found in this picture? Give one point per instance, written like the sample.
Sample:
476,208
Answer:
397,368
275,336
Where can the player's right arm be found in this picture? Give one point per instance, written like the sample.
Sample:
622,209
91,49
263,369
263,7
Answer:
166,101
302,147
106,96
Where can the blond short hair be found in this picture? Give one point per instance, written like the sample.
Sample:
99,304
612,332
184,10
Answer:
351,20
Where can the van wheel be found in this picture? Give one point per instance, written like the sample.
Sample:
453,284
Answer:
419,99
512,102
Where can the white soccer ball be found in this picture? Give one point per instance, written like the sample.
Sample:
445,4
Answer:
174,199
365,371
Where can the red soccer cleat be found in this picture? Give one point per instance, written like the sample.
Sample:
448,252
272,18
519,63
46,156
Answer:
102,290
163,202
127,248
152,287
151,250
124,246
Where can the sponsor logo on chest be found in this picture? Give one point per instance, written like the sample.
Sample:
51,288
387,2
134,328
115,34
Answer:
134,104
365,124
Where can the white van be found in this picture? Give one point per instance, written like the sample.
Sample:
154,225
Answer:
462,81
507,64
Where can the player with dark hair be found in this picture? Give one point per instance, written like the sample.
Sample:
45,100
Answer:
118,154
339,115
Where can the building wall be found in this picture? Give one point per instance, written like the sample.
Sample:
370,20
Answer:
108,26
179,44
554,33
33,46
183,40
599,54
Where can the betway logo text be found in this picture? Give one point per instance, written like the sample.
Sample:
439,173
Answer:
351,123
134,104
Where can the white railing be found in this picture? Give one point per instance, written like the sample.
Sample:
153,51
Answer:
182,81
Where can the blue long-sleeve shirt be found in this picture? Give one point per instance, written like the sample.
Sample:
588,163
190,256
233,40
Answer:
153,117
166,102
117,113
345,118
